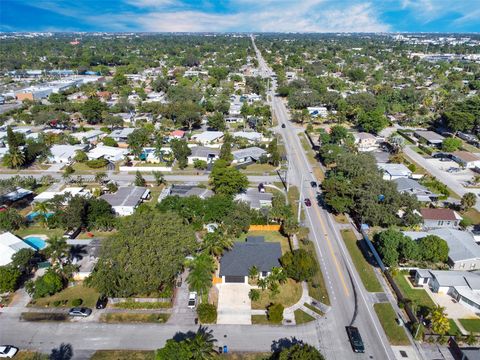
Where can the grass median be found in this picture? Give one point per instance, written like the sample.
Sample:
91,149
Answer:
395,333
364,269
317,287
134,318
301,317
123,355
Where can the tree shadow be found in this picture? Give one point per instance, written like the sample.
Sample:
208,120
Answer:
77,252
284,343
63,352
179,336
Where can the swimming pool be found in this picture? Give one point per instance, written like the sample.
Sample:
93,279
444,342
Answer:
36,242
33,215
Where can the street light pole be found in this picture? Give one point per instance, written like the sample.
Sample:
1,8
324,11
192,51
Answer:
300,199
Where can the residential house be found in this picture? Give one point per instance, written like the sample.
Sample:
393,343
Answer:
126,199
88,136
72,191
177,134
64,154
316,111
365,141
429,137
185,190
255,198
466,159
248,155
15,195
394,171
208,137
9,246
462,286
236,263
204,153
464,252
413,187
440,218
251,136
110,153
121,135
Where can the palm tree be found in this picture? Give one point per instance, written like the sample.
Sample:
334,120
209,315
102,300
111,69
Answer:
215,243
279,275
262,283
253,272
15,158
42,209
100,177
57,249
200,277
440,323
254,295
202,345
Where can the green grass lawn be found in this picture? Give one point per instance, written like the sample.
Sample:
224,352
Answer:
395,333
88,295
365,270
270,236
259,168
313,308
84,168
473,215
143,305
292,195
454,330
38,229
123,355
341,219
134,318
30,355
317,288
471,325
290,293
419,295
301,317
260,320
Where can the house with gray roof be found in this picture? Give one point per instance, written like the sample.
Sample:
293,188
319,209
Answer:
255,198
248,155
463,253
126,199
185,190
236,262
393,171
413,187
463,286
209,155
429,137
121,135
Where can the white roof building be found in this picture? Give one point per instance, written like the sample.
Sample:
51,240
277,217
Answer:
109,153
394,171
64,153
208,137
251,136
90,136
121,134
73,191
9,245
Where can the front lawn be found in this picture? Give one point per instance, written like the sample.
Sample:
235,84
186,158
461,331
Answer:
454,330
364,269
419,295
258,168
31,355
387,316
317,288
473,215
143,305
66,296
290,293
471,325
301,317
123,355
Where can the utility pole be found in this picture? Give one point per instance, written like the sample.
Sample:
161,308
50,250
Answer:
300,199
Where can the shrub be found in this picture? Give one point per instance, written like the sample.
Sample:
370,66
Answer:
464,223
207,313
97,163
57,303
200,164
77,302
299,264
275,313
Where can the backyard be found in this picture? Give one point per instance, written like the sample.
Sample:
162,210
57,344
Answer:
419,296
270,236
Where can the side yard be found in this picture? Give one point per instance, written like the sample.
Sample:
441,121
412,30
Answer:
387,316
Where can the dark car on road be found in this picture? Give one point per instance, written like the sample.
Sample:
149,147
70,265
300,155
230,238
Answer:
355,339
308,203
101,302
313,184
80,311
283,126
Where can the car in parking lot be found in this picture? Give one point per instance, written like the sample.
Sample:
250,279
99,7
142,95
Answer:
355,339
80,312
308,203
7,351
192,299
101,302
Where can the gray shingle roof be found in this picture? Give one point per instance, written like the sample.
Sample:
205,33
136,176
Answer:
244,255
125,196
203,151
254,152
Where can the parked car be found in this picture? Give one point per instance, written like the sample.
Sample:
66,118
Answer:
72,233
313,184
8,351
80,311
102,302
355,339
308,203
192,299
283,126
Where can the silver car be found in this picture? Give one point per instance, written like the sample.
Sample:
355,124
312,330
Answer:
80,311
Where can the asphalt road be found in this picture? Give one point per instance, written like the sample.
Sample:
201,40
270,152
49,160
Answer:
351,303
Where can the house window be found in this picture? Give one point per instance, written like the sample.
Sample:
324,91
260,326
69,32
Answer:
462,266
448,222
264,273
472,266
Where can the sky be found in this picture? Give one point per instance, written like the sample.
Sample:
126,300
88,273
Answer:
241,15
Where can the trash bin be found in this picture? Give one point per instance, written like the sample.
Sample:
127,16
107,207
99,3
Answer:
225,349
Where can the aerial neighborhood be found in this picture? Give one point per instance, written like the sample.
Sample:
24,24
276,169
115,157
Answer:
315,187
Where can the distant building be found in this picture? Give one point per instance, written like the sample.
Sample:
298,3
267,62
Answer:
430,137
126,199
466,159
440,218
412,187
394,171
177,134
33,93
316,111
89,136
9,246
72,191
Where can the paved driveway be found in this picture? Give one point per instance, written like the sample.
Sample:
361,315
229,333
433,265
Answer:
234,305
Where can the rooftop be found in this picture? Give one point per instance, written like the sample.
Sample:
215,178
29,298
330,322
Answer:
202,151
253,152
466,156
253,252
129,196
430,135
439,214
394,169
190,190
9,245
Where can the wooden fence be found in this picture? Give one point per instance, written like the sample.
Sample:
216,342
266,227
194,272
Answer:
264,228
